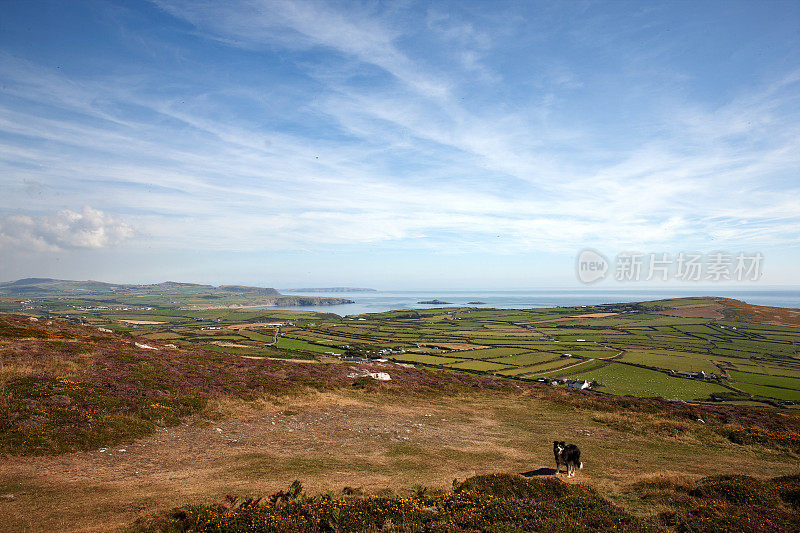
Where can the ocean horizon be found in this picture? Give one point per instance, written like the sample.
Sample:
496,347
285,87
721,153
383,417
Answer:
380,301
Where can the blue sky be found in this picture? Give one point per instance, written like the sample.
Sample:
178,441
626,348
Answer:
397,145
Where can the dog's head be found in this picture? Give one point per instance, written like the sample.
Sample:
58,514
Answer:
558,446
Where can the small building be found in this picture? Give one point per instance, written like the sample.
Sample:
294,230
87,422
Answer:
577,384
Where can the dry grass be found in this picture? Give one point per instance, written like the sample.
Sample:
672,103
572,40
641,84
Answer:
375,441
307,422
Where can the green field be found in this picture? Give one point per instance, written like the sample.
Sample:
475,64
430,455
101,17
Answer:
424,359
670,360
294,344
759,359
618,378
769,392
483,366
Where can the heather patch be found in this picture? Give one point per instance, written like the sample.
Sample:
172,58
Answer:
100,390
497,502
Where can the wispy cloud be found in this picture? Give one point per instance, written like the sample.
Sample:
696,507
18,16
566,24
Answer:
396,144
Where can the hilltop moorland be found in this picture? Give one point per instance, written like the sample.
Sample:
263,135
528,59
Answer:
146,419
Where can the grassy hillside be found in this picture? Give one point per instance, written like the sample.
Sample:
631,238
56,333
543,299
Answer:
46,295
130,422
639,349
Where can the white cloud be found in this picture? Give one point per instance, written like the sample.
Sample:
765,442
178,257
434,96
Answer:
490,176
64,230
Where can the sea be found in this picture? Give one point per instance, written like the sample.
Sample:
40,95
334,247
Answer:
380,301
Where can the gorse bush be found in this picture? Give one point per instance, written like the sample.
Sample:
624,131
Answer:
742,490
497,502
509,503
788,488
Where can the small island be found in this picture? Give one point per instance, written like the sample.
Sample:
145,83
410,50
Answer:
434,302
477,302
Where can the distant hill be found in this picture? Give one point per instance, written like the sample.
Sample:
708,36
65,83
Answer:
47,286
247,290
50,286
332,289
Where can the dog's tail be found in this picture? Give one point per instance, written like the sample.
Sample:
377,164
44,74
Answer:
581,466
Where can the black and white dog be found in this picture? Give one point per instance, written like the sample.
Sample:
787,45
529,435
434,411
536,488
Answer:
567,454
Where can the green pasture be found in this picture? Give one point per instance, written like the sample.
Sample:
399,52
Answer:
488,353
579,369
761,358
519,371
671,360
777,368
561,368
769,392
618,378
543,369
482,366
424,359
526,359
295,344
764,379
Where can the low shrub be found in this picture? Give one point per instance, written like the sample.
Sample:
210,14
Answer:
788,488
500,503
741,490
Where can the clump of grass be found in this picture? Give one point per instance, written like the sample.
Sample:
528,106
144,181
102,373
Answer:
713,517
661,425
788,488
733,503
365,383
737,489
508,486
784,438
